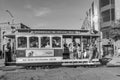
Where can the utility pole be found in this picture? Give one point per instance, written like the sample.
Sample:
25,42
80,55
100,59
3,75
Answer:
12,23
10,16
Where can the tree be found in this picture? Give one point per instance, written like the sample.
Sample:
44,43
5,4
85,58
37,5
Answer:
115,31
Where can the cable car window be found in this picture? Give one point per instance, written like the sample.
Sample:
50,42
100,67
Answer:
45,42
56,42
86,42
22,42
34,42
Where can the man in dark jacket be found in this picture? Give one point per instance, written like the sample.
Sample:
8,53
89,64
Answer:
8,51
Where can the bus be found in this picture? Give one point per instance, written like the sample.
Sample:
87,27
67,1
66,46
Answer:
38,47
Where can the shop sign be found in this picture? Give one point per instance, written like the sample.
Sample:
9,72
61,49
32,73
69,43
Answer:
38,53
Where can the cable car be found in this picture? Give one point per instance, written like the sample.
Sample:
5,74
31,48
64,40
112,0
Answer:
45,47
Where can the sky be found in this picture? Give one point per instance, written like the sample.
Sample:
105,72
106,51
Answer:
52,14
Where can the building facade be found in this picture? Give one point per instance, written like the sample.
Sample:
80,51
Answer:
8,28
3,29
91,21
102,15
107,16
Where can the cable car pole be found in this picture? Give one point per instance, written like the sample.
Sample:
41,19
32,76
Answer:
10,16
12,22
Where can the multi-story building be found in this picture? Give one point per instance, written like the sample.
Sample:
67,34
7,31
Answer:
91,21
104,16
107,16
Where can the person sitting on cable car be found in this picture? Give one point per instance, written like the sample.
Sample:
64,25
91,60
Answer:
34,44
56,43
79,51
47,45
85,53
71,50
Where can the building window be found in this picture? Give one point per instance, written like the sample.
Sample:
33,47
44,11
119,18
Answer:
34,43
112,1
107,34
104,3
103,34
106,15
113,14
22,42
56,42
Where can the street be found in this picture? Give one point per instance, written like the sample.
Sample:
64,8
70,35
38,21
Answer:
60,40
64,73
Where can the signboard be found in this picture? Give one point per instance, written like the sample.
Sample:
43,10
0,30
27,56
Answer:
38,59
56,32
37,53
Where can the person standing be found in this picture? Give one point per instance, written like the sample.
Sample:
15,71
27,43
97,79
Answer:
0,54
118,52
79,51
91,50
75,54
110,51
8,51
95,52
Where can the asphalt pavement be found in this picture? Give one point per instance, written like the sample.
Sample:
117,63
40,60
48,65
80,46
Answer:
2,62
1,66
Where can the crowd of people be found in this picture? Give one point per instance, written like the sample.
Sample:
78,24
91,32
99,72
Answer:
76,52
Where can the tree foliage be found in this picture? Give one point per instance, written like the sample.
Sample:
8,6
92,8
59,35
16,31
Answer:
115,31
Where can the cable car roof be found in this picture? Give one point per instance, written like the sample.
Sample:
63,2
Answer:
64,32
10,35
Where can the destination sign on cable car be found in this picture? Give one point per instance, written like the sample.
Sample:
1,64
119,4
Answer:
56,32
38,59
